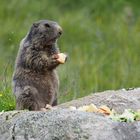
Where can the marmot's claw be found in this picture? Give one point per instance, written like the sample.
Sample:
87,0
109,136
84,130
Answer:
48,106
43,109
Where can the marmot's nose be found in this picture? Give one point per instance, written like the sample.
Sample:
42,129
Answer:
59,29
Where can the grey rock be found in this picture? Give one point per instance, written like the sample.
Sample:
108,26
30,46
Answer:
65,124
118,100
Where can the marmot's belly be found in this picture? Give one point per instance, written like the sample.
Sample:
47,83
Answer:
47,88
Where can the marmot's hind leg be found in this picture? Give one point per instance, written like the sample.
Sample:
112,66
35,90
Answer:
27,99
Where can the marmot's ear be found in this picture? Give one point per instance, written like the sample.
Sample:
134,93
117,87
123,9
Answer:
35,25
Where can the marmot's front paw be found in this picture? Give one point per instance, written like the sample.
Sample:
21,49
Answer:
54,58
61,58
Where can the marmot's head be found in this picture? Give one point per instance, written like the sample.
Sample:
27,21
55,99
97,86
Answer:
44,32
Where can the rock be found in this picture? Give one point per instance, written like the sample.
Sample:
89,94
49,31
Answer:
66,124
118,100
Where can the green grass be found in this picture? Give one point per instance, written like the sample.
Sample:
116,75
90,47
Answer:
102,39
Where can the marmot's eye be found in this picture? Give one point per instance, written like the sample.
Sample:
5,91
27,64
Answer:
47,25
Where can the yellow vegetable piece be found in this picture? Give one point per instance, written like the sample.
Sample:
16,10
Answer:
62,58
92,108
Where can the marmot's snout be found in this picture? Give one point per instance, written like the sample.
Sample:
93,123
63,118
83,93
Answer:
59,30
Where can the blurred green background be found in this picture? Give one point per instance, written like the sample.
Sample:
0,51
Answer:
101,37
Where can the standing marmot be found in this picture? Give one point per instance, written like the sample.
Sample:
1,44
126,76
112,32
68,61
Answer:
35,81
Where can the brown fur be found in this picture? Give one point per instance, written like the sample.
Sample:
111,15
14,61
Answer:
35,81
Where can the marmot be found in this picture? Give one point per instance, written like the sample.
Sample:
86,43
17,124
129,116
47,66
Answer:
35,80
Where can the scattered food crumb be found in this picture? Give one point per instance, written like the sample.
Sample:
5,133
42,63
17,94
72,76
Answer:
127,116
